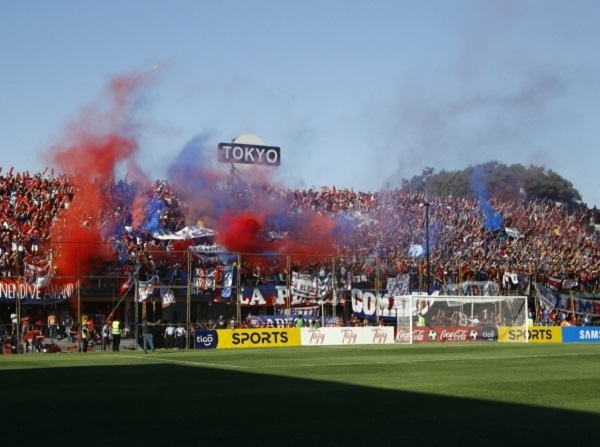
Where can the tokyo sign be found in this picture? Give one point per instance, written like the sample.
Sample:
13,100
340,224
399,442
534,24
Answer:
250,154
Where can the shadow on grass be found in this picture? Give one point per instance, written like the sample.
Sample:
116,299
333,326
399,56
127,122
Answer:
171,405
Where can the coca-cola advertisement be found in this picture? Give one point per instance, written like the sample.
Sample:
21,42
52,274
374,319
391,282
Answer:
419,335
440,334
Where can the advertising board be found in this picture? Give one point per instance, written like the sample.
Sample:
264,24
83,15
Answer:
331,336
258,338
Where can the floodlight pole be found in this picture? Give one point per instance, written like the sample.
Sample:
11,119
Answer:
18,296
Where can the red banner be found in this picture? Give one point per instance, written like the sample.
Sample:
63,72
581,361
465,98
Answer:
433,334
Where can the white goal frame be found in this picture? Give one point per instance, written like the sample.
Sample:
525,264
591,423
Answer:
440,318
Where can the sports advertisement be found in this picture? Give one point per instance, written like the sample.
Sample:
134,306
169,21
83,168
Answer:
257,338
534,334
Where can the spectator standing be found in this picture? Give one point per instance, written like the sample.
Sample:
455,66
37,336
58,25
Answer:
52,326
68,327
220,323
87,334
546,317
106,329
180,336
147,334
25,323
169,336
116,334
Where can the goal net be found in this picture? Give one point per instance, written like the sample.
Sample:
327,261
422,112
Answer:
438,318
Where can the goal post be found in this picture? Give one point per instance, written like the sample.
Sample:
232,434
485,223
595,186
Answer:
429,318
404,319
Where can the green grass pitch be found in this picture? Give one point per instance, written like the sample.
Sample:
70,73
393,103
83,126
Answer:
450,394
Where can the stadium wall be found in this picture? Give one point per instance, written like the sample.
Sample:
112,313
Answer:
287,337
337,336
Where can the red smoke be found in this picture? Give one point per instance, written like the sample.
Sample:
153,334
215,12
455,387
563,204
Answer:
244,233
93,146
319,236
139,209
101,139
241,233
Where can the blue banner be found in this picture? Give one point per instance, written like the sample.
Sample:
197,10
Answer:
581,334
263,321
205,339
489,333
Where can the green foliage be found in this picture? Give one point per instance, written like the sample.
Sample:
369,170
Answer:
502,181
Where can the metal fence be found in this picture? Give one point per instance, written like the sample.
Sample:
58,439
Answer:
200,288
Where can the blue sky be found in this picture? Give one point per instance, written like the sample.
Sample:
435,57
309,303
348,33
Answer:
356,93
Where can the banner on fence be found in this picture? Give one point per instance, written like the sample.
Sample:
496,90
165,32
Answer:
310,287
309,310
556,300
213,282
472,288
262,321
368,304
56,291
273,295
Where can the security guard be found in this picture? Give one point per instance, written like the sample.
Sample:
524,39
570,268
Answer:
116,334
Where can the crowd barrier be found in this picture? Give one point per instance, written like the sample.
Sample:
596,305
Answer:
335,336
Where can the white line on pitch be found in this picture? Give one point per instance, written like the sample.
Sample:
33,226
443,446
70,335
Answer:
391,362
181,362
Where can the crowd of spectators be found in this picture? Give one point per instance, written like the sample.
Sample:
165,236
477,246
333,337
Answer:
29,206
468,239
551,240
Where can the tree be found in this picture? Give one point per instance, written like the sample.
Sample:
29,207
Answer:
548,185
495,179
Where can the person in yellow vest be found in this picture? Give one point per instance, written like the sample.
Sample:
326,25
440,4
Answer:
116,334
420,320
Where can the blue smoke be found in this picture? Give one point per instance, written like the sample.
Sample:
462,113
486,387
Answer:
492,220
433,231
190,173
153,214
